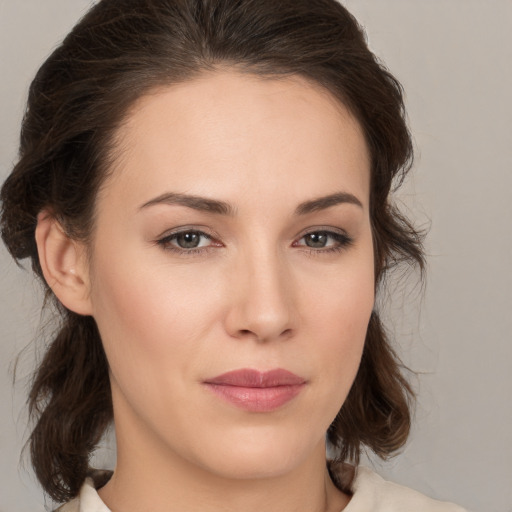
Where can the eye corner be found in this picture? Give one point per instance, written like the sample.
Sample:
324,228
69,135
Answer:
328,240
176,241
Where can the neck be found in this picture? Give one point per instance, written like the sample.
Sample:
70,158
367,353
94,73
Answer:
130,491
150,477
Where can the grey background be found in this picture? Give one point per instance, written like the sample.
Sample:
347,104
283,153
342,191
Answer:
454,59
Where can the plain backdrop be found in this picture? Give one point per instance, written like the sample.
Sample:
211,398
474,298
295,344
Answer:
454,58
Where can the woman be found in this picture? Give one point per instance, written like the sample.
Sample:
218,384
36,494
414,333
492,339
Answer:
203,188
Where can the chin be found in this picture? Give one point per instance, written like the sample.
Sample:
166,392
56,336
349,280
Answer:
255,466
260,455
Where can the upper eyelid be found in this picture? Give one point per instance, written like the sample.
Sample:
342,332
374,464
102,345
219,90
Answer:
211,234
342,238
204,231
165,241
322,229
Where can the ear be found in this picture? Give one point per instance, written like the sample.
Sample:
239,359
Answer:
64,264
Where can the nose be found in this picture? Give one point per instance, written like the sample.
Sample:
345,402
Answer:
262,303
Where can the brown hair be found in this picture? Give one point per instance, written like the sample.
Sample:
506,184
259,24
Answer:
118,52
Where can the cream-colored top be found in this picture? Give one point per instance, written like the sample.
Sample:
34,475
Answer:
371,493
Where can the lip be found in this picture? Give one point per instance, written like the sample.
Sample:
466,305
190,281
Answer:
256,391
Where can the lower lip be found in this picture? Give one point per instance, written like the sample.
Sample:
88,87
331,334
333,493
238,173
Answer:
256,399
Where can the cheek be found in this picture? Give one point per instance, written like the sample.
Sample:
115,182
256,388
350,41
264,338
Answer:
339,315
342,297
162,325
345,330
151,319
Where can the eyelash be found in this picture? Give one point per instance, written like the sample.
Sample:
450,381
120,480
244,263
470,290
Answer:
343,241
165,242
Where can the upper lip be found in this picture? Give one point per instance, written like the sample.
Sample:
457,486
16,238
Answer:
250,378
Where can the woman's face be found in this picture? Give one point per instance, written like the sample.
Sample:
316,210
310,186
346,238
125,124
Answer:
232,273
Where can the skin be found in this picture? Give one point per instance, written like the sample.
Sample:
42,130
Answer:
253,295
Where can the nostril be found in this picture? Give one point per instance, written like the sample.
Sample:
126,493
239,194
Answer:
287,333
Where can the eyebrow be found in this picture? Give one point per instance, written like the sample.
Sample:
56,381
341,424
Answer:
325,202
195,202
222,208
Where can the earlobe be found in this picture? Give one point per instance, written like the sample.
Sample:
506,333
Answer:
63,264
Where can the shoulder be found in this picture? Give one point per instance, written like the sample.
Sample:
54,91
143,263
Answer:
372,493
70,506
88,500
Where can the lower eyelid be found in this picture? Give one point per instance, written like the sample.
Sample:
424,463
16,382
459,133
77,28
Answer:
341,241
169,238
341,238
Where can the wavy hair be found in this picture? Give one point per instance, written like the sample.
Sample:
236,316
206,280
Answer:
119,51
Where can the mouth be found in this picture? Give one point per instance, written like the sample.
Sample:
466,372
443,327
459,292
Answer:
255,391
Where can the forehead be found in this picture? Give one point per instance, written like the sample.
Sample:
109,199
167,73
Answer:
226,133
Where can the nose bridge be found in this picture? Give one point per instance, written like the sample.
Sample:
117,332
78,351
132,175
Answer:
263,302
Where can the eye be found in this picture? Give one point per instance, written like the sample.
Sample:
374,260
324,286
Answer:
190,239
187,241
324,241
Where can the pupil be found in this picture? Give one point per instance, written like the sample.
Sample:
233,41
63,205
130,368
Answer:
188,240
317,240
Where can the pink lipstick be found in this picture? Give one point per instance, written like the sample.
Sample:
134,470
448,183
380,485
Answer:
257,391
